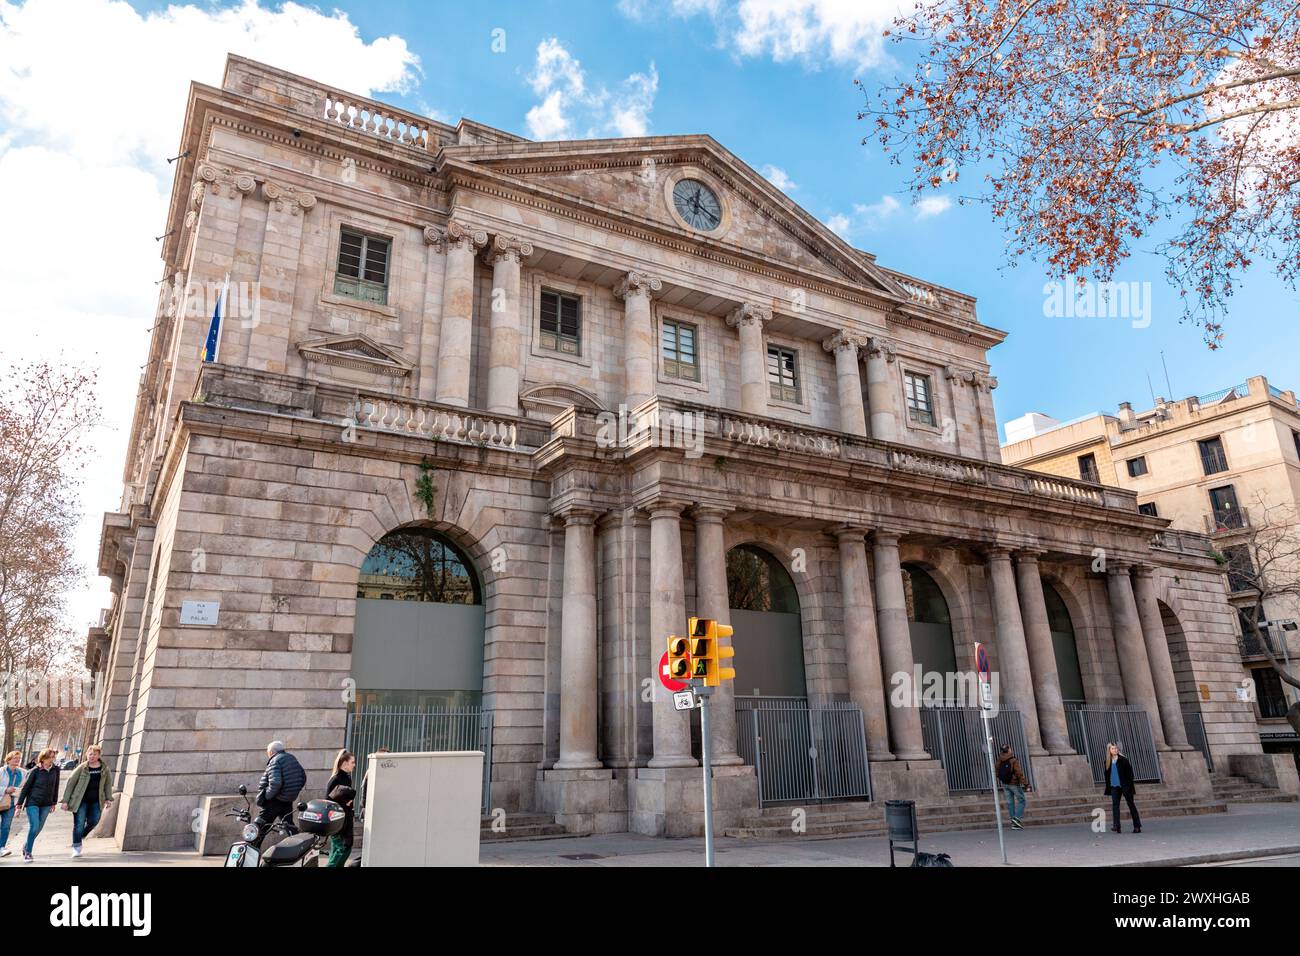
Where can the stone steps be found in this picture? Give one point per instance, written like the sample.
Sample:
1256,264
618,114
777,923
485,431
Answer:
868,819
522,826
1241,790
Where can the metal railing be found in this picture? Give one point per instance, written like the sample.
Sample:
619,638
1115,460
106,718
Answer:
955,736
403,730
1093,726
1195,725
801,752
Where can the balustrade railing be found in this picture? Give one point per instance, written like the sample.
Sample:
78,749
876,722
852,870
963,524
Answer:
377,120
385,413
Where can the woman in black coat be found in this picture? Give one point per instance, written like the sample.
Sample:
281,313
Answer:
1119,780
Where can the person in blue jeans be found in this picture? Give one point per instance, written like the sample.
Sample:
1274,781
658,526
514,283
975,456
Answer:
1014,784
89,793
38,796
11,779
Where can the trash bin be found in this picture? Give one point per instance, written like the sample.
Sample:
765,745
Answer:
900,822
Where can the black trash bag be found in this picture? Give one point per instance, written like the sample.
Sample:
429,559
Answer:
932,859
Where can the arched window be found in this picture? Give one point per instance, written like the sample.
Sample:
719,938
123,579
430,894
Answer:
756,581
417,564
928,621
1063,644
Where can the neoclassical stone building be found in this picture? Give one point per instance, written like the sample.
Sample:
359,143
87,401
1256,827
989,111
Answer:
488,419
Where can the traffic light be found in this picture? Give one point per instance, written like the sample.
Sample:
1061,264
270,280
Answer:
707,652
679,658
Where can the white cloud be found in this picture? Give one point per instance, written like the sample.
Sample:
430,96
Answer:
92,98
873,214
932,206
840,225
811,32
572,108
778,178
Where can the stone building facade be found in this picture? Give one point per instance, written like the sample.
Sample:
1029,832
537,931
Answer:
1226,463
590,373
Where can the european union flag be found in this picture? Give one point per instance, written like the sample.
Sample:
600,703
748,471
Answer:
214,330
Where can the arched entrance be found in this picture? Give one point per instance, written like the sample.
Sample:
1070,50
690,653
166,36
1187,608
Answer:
418,641
1064,645
928,621
765,614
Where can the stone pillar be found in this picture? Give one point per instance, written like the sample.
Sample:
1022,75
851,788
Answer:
749,319
578,656
853,414
430,321
268,342
861,645
504,256
1015,676
636,289
1042,655
456,332
1162,668
896,647
1135,669
672,728
711,602
880,392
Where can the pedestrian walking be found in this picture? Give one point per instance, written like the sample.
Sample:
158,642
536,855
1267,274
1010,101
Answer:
282,781
1119,780
89,794
38,796
1014,784
11,780
341,791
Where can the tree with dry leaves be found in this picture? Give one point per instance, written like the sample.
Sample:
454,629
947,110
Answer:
46,414
1095,119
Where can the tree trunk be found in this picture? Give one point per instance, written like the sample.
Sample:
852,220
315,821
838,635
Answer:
1293,716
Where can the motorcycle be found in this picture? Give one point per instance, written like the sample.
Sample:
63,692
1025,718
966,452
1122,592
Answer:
320,818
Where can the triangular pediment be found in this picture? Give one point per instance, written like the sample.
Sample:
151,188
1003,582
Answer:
633,179
355,351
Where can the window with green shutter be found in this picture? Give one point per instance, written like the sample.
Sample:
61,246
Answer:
362,271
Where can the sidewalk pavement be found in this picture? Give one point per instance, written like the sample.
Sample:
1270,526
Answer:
54,848
1245,830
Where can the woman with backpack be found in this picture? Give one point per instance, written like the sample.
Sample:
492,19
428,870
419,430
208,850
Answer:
89,794
38,796
1119,780
11,779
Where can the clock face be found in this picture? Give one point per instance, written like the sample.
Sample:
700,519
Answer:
697,204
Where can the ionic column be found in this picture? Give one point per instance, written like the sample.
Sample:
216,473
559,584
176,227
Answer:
578,657
880,393
711,602
1134,668
1016,679
671,727
456,332
1162,668
896,647
861,645
853,415
748,319
1042,655
268,342
504,256
636,289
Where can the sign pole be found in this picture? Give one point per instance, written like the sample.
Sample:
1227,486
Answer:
986,704
706,752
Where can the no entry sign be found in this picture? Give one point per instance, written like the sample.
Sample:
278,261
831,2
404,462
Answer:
982,662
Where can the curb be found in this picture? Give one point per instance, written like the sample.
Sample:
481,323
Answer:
1218,857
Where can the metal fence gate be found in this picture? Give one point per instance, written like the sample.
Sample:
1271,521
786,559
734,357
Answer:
955,737
801,752
1195,725
1093,726
420,731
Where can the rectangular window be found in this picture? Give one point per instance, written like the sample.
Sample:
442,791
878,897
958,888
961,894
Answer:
1213,460
561,325
362,271
1241,570
1137,467
783,374
920,402
1296,437
1088,469
1268,692
680,350
1148,509
1223,504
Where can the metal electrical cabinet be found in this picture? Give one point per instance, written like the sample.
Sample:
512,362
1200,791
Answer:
423,809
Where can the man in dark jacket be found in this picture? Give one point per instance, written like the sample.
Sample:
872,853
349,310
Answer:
1014,783
282,781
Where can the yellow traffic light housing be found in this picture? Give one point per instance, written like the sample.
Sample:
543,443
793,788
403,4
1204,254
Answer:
707,651
679,658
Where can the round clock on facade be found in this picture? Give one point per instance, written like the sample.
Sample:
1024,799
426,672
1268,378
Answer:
697,204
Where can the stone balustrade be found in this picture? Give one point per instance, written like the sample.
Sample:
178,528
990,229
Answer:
780,437
440,423
377,120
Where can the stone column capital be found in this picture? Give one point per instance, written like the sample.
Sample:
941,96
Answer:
1144,571
503,248
886,538
850,532
710,514
996,552
637,283
456,234
844,341
208,175
749,313
878,347
286,197
1118,569
664,508
576,514
1028,555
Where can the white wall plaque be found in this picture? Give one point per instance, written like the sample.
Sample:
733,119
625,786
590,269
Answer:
202,613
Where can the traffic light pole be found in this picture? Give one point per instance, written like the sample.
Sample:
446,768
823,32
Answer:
993,780
706,753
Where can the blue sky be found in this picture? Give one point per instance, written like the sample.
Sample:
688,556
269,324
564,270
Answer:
772,80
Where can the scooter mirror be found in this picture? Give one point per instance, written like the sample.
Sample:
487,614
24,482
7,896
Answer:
243,790
302,807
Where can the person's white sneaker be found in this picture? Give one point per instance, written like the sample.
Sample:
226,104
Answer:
6,852
76,851
27,858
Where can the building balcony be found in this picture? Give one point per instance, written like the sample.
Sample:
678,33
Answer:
1227,522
